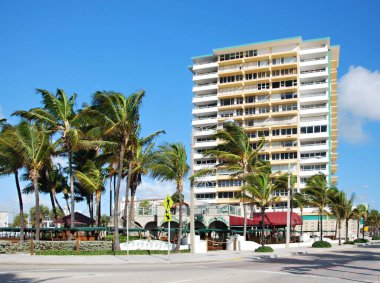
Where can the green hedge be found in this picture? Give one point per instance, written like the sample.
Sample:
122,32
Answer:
361,241
349,243
321,244
139,252
376,238
265,249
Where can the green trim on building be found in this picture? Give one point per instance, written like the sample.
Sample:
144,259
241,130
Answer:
254,43
202,56
316,217
329,98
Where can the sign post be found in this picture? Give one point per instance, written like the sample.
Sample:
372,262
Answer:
168,203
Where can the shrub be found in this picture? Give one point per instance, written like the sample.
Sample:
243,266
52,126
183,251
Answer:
361,241
265,249
321,244
349,243
376,238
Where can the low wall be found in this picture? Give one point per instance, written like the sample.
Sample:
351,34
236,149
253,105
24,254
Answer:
7,247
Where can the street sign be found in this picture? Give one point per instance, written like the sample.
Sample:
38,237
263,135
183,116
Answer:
167,217
168,203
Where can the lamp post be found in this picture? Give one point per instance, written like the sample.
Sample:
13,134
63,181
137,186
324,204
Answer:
288,211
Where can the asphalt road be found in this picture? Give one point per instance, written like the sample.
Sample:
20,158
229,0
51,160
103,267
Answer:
351,265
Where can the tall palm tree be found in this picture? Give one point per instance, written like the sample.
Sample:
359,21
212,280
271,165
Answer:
58,116
141,158
170,164
319,194
114,117
360,212
373,220
236,154
300,201
32,143
348,210
93,178
337,203
11,161
261,190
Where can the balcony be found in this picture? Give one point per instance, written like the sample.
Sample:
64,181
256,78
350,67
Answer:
314,160
322,49
205,76
197,167
314,73
319,61
205,66
205,110
198,133
308,86
206,121
205,98
313,97
209,144
315,148
314,111
204,88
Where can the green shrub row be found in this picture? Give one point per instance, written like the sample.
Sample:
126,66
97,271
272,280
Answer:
361,241
63,252
376,238
265,249
348,243
321,244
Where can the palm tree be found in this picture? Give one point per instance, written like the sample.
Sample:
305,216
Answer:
170,164
337,203
260,188
58,116
114,117
319,195
348,210
10,163
32,143
237,155
141,157
373,220
360,212
300,201
93,178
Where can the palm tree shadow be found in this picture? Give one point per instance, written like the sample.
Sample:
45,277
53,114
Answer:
13,277
344,260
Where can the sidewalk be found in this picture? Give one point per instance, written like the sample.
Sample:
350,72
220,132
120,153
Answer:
214,256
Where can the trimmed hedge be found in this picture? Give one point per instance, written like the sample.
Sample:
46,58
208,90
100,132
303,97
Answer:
376,238
265,249
361,241
349,243
7,247
321,244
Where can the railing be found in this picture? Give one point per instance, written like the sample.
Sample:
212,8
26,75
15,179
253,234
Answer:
313,83
205,118
313,94
205,84
313,59
313,71
206,95
206,106
204,62
313,106
313,47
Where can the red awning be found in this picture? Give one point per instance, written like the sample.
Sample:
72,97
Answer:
79,218
270,219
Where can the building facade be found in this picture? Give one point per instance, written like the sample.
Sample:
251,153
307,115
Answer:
285,90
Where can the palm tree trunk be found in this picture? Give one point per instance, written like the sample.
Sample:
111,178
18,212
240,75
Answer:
132,205
358,228
129,181
97,218
37,196
339,229
245,221
116,244
56,200
72,210
262,227
336,227
21,204
347,229
179,190
321,216
53,206
110,195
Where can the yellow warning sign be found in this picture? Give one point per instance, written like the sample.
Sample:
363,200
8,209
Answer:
168,203
167,217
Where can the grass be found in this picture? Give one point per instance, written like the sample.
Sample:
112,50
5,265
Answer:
376,238
123,238
139,252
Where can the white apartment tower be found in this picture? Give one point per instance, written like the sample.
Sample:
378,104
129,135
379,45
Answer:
285,90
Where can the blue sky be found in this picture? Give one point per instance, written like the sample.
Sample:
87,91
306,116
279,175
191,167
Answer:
85,46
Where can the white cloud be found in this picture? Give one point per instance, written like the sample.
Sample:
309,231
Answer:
152,189
358,102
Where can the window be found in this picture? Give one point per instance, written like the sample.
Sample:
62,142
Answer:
315,167
205,196
275,108
239,100
226,195
264,157
206,140
250,53
288,95
262,110
230,183
231,79
262,133
250,99
252,76
289,131
249,111
263,86
276,132
206,162
313,155
231,56
263,63
289,107
228,101
206,185
249,123
239,112
313,129
284,156
251,134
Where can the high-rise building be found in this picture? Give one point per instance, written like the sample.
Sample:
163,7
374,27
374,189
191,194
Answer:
285,90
